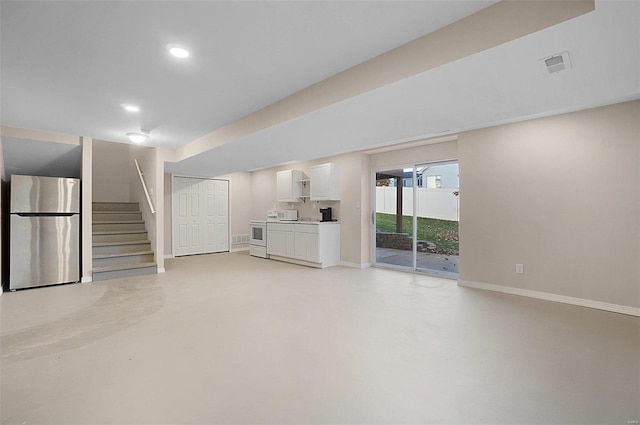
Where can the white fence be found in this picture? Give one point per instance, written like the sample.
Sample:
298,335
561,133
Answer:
432,203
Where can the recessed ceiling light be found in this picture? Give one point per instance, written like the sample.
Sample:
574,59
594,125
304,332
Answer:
178,51
131,108
137,136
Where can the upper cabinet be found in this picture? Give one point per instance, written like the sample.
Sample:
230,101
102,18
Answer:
325,182
288,184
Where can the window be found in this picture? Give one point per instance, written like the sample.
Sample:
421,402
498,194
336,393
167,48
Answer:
434,182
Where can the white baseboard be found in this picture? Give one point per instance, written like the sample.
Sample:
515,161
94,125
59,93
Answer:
616,308
161,270
86,279
168,256
239,249
294,261
355,265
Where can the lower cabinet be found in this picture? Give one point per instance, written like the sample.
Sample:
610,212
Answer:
313,244
280,239
307,243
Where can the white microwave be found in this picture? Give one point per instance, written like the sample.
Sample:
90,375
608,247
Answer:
283,215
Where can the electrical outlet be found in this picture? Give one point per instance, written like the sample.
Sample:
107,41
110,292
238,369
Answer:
519,268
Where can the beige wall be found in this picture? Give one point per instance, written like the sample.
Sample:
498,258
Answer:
416,155
570,187
148,158
240,202
111,170
365,211
87,209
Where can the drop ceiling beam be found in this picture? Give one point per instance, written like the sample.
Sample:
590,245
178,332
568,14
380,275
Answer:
42,136
495,25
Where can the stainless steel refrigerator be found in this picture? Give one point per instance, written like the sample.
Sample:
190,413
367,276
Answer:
44,231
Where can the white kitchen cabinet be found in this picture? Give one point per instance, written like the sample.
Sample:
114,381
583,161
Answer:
311,244
325,182
307,246
289,188
280,239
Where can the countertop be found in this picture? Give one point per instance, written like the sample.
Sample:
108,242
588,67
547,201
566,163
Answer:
307,221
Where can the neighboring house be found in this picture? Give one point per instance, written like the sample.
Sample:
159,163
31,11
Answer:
432,177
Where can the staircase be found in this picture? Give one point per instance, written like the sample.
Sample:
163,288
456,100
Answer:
120,243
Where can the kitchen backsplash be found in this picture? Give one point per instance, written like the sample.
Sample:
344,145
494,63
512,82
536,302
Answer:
311,209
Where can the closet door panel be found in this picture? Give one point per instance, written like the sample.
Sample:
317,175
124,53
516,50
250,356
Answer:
200,216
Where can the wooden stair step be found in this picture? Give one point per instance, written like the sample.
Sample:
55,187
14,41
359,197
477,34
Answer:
127,266
112,206
117,232
122,254
142,241
119,222
115,212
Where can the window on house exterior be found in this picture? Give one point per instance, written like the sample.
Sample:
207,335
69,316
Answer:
434,182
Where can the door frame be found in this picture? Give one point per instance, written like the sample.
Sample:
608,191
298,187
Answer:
173,239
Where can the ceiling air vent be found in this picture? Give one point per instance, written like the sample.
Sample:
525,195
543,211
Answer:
556,63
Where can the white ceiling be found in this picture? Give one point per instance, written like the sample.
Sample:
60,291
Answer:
67,66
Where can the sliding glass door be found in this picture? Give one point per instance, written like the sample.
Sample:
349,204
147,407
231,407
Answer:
417,212
437,215
394,218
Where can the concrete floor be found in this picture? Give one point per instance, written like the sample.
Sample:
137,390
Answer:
228,338
437,264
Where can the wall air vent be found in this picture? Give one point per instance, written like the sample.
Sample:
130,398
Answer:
556,63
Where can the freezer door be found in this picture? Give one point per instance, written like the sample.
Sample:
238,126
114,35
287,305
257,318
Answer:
44,250
32,194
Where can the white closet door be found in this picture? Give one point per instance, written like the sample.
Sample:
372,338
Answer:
200,216
181,231
211,233
195,210
221,219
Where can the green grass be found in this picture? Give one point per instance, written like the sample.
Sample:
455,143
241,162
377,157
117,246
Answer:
443,233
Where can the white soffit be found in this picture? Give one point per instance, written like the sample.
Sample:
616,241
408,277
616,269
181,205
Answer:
500,85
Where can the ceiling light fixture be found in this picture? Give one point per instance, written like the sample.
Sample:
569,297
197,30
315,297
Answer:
138,136
131,108
178,51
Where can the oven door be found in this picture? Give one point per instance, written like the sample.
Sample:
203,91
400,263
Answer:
258,235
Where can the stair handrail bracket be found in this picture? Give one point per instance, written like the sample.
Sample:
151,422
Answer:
144,187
